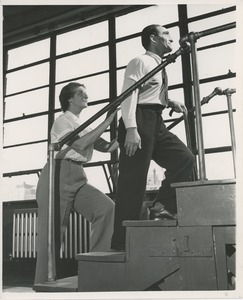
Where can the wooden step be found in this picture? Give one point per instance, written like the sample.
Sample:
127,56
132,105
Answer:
150,223
149,257
110,256
68,285
207,202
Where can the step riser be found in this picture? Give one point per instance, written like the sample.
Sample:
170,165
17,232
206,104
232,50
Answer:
206,205
102,278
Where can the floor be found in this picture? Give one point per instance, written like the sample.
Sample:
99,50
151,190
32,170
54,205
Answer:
20,289
18,276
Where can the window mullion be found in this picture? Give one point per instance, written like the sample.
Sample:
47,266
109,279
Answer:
186,74
52,81
112,76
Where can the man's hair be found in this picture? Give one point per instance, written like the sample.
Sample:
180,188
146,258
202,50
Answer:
68,92
146,33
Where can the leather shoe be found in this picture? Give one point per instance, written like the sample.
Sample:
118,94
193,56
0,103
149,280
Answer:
117,247
161,214
118,250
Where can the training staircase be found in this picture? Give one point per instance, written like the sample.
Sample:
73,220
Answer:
195,252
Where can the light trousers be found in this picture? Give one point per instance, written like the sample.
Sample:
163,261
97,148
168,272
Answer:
72,192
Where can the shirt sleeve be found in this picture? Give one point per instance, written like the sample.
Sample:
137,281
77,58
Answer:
59,129
133,73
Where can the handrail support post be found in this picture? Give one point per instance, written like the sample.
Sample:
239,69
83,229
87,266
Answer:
51,262
198,114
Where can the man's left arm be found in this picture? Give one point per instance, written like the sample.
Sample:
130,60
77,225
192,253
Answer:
177,106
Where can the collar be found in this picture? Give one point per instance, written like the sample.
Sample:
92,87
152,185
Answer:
155,56
73,116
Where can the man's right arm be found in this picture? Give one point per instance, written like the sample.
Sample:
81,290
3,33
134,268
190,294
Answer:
133,73
128,111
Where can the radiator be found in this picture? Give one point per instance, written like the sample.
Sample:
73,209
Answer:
25,235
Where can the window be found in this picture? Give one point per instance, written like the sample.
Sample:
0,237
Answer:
29,78
216,131
200,9
39,50
219,166
19,187
211,22
214,58
136,21
28,130
27,103
99,180
124,56
24,158
82,38
82,64
83,54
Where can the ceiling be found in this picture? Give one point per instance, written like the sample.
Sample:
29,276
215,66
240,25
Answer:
21,22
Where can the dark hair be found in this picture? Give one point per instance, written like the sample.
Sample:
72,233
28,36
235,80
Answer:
146,33
68,92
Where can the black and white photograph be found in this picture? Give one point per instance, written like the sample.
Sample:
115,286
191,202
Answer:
121,149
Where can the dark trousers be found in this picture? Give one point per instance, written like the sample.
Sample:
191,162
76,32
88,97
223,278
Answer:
166,150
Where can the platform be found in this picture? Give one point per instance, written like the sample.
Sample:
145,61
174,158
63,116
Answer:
196,252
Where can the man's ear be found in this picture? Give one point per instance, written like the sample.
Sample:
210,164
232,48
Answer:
152,38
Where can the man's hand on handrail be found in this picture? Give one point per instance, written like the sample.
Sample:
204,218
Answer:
176,106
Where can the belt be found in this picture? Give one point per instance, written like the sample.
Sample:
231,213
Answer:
155,107
73,161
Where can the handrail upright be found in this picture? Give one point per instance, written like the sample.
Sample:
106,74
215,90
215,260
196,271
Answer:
228,93
192,37
51,263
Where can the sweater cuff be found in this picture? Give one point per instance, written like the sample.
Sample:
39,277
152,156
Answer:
130,123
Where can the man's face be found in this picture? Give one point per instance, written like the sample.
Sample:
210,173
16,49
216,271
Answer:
80,98
163,40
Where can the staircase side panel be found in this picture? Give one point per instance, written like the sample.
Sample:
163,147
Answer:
144,242
198,274
171,283
101,276
196,252
206,205
151,257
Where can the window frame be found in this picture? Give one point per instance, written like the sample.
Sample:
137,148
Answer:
186,84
